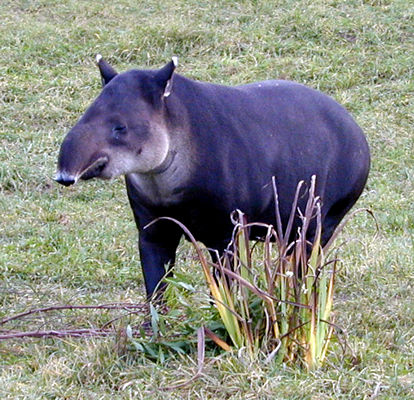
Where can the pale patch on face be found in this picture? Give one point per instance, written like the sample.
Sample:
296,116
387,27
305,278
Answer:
154,150
120,163
147,158
160,186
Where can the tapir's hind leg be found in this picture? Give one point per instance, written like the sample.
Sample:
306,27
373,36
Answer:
334,216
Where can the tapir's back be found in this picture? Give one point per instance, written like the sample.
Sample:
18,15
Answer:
249,133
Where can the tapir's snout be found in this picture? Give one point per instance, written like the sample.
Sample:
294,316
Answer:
64,179
94,169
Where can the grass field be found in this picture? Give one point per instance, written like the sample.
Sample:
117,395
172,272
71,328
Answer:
78,245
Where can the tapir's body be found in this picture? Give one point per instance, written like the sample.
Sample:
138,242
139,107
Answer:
196,151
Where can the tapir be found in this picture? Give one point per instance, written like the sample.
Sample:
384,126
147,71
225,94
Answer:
196,151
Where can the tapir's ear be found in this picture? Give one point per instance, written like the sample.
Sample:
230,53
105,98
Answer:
164,77
107,72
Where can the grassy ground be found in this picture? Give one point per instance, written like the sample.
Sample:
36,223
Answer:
78,245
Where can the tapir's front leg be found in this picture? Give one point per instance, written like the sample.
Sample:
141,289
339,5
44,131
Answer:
157,248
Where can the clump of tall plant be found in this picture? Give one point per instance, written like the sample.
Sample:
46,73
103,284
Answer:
276,299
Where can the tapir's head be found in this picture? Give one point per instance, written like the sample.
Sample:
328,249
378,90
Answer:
123,131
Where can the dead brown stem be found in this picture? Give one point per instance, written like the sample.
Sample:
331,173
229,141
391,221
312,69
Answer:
113,306
56,333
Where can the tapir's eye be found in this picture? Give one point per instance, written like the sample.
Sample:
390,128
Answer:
119,130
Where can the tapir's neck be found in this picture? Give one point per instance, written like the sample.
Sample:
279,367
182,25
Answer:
162,186
166,164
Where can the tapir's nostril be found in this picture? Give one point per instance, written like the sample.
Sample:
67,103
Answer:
65,180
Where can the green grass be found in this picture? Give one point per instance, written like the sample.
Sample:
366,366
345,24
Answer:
78,245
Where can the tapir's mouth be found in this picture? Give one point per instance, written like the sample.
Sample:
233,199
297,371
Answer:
95,169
